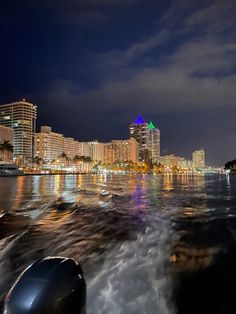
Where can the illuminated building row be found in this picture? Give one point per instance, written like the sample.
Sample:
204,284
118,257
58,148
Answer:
114,151
197,163
170,160
51,146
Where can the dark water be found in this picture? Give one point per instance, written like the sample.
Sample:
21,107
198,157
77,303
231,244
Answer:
157,244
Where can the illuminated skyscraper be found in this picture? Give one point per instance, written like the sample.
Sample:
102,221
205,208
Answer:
140,132
154,142
21,117
148,139
199,159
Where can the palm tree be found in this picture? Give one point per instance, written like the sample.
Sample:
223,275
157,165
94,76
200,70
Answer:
231,165
88,159
83,158
7,148
68,159
76,158
63,155
38,160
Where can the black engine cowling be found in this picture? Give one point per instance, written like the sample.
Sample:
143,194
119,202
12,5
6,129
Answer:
53,285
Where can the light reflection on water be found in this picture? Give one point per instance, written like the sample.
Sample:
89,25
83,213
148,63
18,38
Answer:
134,246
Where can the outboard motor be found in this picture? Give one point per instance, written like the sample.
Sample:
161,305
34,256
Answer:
53,285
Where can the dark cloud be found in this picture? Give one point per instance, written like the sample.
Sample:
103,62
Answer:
196,74
217,17
87,12
70,12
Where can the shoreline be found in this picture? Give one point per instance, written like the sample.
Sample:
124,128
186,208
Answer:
136,173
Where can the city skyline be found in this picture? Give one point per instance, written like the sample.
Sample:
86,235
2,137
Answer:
18,128
84,150
143,143
94,65
77,138
53,148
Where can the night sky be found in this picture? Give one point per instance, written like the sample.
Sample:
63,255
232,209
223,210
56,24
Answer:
92,66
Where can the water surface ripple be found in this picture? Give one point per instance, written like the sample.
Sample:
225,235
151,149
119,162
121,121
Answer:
150,244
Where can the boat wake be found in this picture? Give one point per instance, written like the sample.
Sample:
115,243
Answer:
135,276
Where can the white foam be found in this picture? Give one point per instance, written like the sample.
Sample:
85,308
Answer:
8,244
134,278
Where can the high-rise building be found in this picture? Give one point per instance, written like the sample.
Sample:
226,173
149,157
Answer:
148,139
97,151
6,136
154,142
140,132
109,154
51,145
21,117
125,150
71,147
199,159
83,149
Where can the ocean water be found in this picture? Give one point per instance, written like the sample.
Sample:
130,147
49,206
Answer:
156,244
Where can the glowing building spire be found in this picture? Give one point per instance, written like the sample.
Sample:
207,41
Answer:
151,125
139,120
